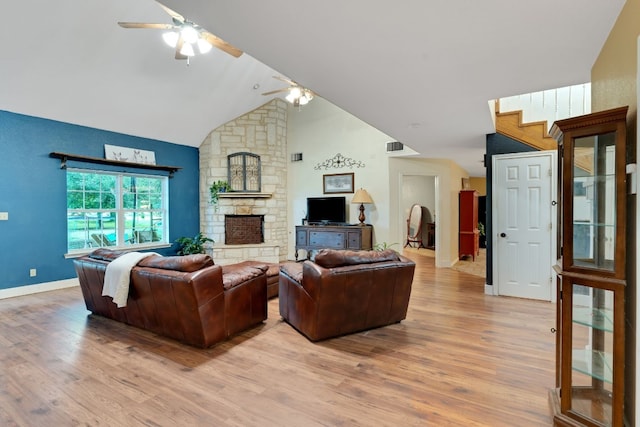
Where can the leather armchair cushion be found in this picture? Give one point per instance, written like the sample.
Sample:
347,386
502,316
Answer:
292,270
185,263
233,275
331,258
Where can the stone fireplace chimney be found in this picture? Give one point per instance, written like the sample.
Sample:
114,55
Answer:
263,132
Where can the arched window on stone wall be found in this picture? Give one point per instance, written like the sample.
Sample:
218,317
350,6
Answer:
244,172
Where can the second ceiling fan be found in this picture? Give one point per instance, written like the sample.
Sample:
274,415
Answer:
183,35
298,95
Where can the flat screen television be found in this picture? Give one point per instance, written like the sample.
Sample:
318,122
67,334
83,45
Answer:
327,210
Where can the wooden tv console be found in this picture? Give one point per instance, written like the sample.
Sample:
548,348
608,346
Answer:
353,237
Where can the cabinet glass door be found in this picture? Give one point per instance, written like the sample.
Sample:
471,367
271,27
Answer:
592,353
594,201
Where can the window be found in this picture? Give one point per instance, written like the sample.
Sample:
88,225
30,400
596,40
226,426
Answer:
115,210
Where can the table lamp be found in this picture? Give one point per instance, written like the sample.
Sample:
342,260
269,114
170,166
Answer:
363,198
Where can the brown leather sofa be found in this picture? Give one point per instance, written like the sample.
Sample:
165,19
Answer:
342,292
186,298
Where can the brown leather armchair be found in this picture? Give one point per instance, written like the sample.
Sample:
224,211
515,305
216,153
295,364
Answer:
186,298
342,292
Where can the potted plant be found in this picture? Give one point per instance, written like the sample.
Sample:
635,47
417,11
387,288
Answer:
383,246
217,187
195,245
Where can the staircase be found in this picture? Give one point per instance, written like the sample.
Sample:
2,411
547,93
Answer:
533,134
540,110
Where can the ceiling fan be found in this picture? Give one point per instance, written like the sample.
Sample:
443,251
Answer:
183,35
298,95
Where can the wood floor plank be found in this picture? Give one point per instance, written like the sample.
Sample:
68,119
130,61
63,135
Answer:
461,358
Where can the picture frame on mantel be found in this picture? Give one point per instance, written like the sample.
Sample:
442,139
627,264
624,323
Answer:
338,183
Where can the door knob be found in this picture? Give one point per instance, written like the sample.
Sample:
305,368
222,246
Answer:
503,234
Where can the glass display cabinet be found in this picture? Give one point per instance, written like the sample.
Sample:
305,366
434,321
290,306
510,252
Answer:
591,270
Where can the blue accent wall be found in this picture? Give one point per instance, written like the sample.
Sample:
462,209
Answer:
33,192
497,144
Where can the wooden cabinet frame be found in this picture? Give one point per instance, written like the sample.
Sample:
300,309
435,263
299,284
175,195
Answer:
591,270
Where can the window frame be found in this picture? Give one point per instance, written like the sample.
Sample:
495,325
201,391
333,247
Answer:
121,213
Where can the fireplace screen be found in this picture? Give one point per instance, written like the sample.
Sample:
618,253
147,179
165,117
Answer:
243,229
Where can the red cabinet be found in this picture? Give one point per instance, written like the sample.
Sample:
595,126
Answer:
469,240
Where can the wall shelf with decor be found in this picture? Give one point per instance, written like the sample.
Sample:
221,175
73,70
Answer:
64,157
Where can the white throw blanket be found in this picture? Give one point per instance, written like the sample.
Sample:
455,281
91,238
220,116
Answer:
117,276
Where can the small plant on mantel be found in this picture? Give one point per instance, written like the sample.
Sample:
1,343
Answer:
192,245
217,187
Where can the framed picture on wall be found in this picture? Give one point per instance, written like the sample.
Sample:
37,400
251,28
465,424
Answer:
130,155
337,183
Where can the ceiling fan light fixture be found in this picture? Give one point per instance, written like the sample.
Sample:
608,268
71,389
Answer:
292,99
299,96
204,46
189,34
303,100
187,49
295,92
171,38
307,95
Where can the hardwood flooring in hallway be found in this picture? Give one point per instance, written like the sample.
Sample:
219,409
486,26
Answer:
461,358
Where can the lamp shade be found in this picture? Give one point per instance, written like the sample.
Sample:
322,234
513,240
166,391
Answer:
204,46
362,197
187,49
171,38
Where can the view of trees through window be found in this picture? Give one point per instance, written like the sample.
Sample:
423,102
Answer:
115,209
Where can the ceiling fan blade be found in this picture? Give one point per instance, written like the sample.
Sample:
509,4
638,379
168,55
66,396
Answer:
291,82
179,48
276,91
221,44
145,25
172,13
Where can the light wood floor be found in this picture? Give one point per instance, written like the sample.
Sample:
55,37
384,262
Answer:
459,359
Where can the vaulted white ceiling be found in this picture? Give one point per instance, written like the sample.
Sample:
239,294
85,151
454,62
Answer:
419,71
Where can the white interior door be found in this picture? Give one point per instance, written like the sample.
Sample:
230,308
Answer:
524,224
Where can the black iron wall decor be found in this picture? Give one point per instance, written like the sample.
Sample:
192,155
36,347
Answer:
339,161
244,172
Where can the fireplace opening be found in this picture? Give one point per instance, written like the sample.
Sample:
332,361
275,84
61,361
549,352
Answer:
243,229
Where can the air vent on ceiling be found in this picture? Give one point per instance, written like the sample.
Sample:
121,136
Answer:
395,146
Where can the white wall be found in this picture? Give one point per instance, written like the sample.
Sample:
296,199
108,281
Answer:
319,131
421,190
550,105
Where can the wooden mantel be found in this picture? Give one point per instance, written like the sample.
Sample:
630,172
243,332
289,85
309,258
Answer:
243,195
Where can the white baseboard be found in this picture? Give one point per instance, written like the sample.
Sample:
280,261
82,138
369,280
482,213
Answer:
40,287
488,289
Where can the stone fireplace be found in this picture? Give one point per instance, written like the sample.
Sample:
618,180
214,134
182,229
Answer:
262,132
